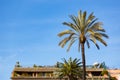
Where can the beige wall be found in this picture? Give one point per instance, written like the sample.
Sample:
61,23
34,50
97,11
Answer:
115,73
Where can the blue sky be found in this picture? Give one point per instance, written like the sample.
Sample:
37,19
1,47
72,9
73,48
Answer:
29,28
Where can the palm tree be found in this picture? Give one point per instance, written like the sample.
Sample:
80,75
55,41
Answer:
83,29
105,71
70,69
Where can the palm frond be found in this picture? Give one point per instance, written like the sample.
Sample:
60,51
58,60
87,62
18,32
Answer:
84,17
80,16
91,23
97,35
76,22
90,32
65,32
70,44
88,44
101,40
63,42
104,35
100,35
94,41
97,27
71,25
90,18
83,21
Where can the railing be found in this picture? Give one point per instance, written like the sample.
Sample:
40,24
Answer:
37,69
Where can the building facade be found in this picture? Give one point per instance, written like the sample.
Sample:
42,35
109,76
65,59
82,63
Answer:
48,73
115,73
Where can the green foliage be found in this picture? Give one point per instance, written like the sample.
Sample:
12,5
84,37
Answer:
104,72
113,78
103,65
16,74
70,69
35,66
58,65
18,64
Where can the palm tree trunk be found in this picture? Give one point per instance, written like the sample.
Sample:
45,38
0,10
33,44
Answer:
83,61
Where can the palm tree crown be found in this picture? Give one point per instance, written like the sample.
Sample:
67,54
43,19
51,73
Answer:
70,69
83,29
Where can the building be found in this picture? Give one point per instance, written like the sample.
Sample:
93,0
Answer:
37,73
47,73
115,73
